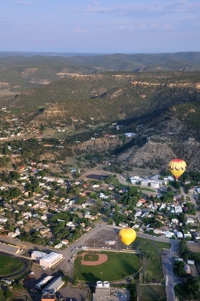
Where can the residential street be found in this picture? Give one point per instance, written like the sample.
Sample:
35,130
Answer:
67,263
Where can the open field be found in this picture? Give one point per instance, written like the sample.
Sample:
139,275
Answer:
152,252
6,92
152,292
117,267
9,265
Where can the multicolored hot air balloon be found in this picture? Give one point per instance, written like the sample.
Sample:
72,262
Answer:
127,236
177,167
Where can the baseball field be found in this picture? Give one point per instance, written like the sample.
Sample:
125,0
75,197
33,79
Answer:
109,266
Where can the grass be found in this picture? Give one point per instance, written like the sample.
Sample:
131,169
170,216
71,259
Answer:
9,265
91,257
152,293
118,266
180,292
152,250
143,245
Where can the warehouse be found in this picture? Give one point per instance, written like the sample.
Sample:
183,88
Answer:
43,282
37,255
54,286
50,259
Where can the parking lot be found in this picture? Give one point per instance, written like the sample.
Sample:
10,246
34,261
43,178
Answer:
105,239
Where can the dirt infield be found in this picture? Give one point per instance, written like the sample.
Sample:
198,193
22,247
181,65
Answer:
102,258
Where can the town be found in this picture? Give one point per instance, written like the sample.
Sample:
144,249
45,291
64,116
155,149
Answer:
41,207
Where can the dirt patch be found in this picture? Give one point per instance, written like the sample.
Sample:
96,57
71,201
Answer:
101,259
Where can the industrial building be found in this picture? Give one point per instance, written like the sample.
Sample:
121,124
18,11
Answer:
50,259
48,297
4,247
103,292
51,297
37,255
54,286
46,260
43,282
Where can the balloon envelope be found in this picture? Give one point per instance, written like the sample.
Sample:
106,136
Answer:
127,236
177,167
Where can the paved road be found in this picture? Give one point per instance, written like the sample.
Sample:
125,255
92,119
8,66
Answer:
67,264
167,264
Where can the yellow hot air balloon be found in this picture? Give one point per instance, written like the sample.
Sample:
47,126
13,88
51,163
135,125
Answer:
127,236
177,167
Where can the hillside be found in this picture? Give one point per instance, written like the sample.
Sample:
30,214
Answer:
105,97
162,108
20,71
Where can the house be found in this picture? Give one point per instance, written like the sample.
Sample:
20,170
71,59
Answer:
169,234
65,241
135,179
88,228
123,225
162,206
136,226
187,234
157,231
190,262
174,221
58,246
140,202
190,220
12,234
179,235
44,231
129,135
178,209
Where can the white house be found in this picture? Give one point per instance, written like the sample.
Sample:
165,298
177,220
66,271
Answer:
179,234
187,235
138,213
178,209
190,220
169,234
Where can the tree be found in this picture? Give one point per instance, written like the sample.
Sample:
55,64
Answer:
8,295
192,286
1,294
65,278
179,268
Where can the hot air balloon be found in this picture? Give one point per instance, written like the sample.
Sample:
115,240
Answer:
127,236
177,167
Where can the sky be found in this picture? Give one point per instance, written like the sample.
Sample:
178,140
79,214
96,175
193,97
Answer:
104,26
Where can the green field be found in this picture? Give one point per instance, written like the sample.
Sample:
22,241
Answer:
152,292
117,267
9,265
91,257
152,256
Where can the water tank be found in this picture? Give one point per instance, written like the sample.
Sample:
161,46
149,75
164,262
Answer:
99,284
106,284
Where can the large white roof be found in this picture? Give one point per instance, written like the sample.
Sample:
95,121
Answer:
51,256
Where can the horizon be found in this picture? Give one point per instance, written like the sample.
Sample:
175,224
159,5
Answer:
54,53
